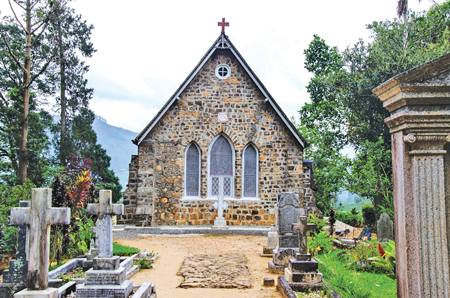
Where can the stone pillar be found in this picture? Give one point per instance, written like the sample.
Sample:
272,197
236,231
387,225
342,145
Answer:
419,103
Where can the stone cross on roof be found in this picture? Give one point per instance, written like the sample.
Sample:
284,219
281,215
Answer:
303,228
104,209
223,24
39,217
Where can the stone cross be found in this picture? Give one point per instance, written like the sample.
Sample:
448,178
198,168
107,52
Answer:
220,205
104,209
303,228
38,218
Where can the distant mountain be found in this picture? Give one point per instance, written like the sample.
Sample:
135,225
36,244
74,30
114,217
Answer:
117,142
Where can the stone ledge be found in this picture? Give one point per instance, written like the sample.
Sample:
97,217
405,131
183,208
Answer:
275,269
94,291
284,288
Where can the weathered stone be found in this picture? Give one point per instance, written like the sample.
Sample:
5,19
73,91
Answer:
288,212
418,101
268,282
302,228
305,277
385,228
281,256
105,277
39,217
97,291
303,266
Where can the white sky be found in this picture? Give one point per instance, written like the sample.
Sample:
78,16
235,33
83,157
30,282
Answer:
145,49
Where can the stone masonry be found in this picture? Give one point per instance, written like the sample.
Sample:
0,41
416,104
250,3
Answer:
156,181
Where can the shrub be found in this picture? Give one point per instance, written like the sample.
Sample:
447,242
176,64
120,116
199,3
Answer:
122,250
368,213
352,217
321,242
320,223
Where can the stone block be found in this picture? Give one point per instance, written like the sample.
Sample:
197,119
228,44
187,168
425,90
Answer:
144,290
308,277
47,293
281,256
303,257
288,241
275,269
306,287
268,282
106,263
303,266
102,291
105,277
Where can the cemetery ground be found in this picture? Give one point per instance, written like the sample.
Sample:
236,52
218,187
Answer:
174,249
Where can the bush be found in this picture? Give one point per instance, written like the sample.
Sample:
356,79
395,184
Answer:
320,223
321,242
352,217
368,214
122,250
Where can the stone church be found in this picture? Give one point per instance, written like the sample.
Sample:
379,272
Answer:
220,134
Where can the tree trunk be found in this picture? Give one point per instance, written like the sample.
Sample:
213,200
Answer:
62,68
26,97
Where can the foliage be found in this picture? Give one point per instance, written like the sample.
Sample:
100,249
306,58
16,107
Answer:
10,197
144,261
386,260
122,250
344,111
368,214
320,243
320,223
352,217
351,283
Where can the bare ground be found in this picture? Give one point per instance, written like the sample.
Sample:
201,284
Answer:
173,249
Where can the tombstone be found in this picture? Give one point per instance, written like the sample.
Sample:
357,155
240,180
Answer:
18,268
385,228
287,246
107,278
419,123
302,273
38,218
288,213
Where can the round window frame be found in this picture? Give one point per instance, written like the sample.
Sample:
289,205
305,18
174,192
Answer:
220,76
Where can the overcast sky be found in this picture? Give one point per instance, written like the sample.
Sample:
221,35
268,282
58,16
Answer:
145,49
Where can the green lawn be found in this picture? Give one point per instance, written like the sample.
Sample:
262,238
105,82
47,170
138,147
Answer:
121,250
351,283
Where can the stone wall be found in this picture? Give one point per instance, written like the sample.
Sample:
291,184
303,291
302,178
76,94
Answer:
159,168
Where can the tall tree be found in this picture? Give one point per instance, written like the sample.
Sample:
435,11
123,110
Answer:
36,16
72,38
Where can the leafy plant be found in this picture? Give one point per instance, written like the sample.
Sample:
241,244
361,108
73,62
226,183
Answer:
144,261
386,260
122,250
369,216
332,221
320,243
320,223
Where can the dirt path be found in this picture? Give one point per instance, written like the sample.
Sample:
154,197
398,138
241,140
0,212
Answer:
173,249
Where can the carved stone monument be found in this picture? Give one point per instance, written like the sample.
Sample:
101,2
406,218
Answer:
220,222
288,213
38,218
385,229
107,278
419,103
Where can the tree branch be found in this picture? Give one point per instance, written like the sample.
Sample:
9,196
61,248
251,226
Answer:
5,153
43,29
12,54
17,19
42,69
17,3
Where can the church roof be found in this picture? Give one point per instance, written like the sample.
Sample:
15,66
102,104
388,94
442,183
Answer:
223,42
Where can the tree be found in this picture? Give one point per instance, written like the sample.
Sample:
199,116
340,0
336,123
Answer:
36,14
72,37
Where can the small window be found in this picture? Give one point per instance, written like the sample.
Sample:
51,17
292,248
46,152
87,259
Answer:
250,183
223,71
192,171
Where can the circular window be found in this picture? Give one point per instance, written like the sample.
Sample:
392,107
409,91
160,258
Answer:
223,71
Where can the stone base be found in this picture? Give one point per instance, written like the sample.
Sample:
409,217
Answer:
105,277
220,223
306,277
281,256
106,263
303,266
306,287
47,293
7,290
276,269
102,291
303,257
132,271
284,288
268,282
268,250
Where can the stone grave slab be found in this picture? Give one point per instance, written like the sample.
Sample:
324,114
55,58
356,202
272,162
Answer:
385,228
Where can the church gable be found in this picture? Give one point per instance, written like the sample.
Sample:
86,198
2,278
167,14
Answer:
220,134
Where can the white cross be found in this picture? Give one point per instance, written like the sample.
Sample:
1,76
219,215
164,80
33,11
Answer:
220,205
104,209
38,218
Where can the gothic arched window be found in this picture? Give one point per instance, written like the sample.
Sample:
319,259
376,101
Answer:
250,172
192,171
221,168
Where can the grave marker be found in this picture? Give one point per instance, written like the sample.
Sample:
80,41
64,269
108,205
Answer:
303,228
38,218
385,228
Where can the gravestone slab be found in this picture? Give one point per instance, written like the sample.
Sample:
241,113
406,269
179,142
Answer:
18,268
385,228
288,213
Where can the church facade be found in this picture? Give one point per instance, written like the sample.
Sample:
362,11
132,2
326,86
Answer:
220,134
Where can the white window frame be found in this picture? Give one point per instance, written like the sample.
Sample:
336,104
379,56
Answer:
257,174
220,76
233,165
199,172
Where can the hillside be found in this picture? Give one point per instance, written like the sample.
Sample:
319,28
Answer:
117,142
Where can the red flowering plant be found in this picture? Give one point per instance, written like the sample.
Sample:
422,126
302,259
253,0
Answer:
386,260
73,188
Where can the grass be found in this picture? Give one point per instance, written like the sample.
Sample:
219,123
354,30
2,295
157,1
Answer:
122,250
53,267
351,283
